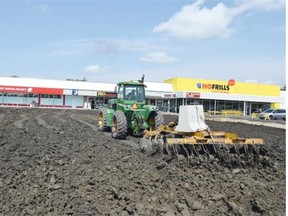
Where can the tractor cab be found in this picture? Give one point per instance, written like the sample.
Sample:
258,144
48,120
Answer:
128,93
131,91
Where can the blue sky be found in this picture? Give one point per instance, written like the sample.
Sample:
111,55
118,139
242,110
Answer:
116,40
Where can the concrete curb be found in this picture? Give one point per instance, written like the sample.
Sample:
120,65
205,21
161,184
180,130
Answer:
245,121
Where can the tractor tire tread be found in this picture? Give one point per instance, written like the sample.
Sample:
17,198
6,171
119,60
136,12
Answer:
121,130
104,125
158,119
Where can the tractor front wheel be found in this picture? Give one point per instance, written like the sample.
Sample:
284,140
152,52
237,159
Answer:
119,125
102,119
155,120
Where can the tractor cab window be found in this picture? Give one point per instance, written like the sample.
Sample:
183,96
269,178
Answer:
141,94
120,93
135,93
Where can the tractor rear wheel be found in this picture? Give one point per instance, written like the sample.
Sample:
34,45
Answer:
155,119
119,125
102,120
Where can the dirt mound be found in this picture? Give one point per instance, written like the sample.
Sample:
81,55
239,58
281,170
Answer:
56,162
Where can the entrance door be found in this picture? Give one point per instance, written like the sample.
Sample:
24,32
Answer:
173,106
165,105
74,101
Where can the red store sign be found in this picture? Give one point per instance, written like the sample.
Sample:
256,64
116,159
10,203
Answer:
30,90
192,95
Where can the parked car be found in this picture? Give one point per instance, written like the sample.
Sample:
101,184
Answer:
273,114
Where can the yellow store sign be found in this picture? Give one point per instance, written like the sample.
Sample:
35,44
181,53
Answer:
230,86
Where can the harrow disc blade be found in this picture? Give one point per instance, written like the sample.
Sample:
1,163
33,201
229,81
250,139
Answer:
146,146
152,146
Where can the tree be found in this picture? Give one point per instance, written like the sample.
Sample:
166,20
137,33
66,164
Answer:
79,80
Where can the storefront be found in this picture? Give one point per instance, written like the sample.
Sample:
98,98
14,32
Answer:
23,92
27,95
102,98
226,95
214,95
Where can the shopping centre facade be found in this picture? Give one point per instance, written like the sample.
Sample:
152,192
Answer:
215,95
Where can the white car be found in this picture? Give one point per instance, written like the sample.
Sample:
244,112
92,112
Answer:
273,114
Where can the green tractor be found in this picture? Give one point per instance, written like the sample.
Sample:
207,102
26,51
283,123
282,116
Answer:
128,113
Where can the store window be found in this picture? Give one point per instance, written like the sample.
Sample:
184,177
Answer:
51,100
220,105
152,102
159,104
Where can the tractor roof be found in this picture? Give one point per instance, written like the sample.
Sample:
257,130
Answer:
132,82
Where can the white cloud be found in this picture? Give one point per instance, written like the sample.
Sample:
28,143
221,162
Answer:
44,8
267,82
107,46
251,81
267,5
95,69
160,57
198,22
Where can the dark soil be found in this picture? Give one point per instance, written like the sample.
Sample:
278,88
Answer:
56,162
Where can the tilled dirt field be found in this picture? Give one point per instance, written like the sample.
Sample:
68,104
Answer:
56,162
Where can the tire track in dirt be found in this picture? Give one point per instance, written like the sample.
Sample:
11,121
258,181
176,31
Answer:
61,113
76,118
2,116
42,122
130,141
19,123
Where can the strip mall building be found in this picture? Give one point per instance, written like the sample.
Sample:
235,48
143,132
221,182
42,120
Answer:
215,95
